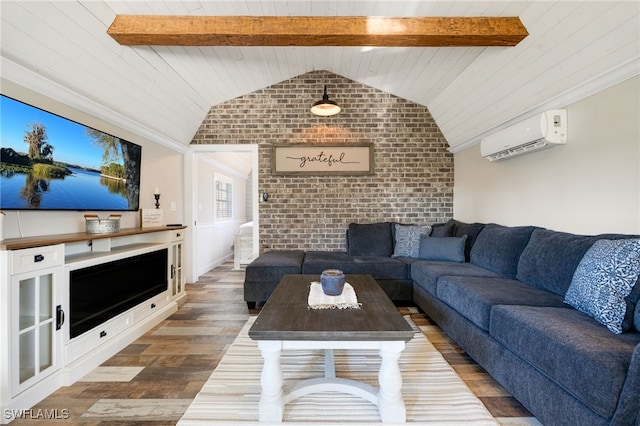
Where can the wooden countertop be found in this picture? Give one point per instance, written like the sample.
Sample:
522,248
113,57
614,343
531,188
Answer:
49,240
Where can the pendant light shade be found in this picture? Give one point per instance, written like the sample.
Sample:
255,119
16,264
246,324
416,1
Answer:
325,107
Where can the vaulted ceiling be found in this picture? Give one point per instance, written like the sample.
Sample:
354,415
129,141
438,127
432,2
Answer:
62,50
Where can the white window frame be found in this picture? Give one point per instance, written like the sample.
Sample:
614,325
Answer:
221,203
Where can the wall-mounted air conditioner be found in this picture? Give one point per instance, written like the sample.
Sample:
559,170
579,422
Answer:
541,131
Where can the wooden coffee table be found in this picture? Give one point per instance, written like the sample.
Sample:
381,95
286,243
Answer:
285,322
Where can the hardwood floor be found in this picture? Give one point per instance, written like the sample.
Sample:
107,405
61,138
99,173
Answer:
153,380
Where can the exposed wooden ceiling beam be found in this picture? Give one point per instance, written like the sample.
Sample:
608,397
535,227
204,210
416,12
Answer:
168,30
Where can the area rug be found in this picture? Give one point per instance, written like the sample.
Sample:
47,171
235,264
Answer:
433,393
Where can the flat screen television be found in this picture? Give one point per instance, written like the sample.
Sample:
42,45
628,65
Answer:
48,162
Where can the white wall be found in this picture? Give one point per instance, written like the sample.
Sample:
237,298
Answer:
215,239
591,185
162,168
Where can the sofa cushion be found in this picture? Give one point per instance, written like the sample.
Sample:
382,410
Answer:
569,348
407,239
604,278
551,258
318,261
443,229
471,230
473,297
381,268
425,273
272,265
450,249
378,267
498,248
370,239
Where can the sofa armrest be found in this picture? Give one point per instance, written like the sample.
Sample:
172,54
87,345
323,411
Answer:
628,410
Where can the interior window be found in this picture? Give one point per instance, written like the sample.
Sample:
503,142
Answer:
223,199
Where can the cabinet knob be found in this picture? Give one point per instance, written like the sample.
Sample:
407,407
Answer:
103,334
178,234
153,305
38,258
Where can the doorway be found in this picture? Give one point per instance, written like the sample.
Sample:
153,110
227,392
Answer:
213,239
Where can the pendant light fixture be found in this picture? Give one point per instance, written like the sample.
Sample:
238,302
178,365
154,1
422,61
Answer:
325,107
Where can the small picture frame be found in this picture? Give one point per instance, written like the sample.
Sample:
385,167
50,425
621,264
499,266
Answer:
151,217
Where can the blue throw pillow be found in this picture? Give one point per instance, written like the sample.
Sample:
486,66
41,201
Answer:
450,249
407,239
604,277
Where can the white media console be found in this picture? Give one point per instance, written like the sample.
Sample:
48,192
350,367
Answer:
40,351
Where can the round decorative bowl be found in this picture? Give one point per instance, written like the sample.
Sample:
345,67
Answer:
332,281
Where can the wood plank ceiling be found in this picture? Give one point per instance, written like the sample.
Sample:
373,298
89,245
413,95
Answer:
62,50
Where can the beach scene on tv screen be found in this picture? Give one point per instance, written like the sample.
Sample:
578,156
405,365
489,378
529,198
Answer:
49,162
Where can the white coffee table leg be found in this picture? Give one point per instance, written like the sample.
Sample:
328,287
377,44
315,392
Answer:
390,402
271,408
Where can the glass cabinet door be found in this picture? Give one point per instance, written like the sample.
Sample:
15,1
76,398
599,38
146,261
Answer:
176,269
33,332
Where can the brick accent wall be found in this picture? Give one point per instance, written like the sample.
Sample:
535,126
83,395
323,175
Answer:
413,180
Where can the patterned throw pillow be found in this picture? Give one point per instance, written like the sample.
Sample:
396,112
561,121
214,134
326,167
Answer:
604,277
407,239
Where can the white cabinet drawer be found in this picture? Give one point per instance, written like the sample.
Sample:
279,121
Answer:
33,259
177,235
95,337
149,306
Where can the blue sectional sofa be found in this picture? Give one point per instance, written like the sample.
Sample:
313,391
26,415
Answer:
518,300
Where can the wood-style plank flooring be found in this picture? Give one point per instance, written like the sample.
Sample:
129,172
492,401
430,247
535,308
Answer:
153,380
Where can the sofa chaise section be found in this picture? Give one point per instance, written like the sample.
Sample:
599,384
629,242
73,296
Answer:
265,272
